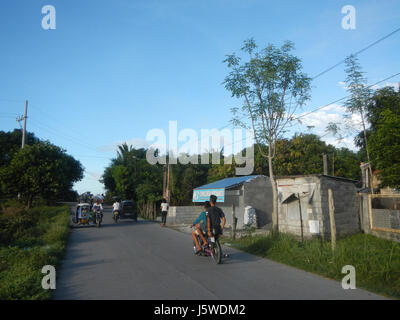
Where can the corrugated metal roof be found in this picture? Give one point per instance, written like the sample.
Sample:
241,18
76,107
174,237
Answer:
228,182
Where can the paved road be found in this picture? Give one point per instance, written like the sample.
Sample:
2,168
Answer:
141,260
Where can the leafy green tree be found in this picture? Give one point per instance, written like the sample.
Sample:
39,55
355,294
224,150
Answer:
302,154
184,178
40,170
121,177
130,176
10,142
272,86
385,148
384,98
346,163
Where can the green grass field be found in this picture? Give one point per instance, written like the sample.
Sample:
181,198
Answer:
376,261
29,240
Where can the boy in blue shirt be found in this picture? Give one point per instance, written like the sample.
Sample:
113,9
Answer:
201,227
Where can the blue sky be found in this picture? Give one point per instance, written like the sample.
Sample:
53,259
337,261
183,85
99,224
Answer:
113,70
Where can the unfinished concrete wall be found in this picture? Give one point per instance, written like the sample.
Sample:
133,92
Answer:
306,196
183,215
258,194
233,197
346,205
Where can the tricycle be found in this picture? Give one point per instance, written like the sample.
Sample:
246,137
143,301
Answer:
82,216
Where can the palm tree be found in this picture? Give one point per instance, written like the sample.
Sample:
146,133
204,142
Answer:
123,152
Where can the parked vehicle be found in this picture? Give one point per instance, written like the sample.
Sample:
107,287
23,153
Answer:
213,248
128,210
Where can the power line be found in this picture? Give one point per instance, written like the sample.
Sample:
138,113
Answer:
9,113
53,118
342,61
357,53
326,105
56,132
11,100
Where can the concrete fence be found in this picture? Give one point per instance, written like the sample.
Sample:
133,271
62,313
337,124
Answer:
378,217
183,215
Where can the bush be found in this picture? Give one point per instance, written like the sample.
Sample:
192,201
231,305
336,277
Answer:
29,240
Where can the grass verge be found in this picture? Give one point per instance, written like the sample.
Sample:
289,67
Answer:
376,261
29,240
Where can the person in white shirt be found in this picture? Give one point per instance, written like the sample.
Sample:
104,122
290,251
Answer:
164,212
116,206
97,208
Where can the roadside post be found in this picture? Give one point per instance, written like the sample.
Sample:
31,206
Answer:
234,222
332,219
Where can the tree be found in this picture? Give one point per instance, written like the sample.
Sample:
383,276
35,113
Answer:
384,98
385,148
41,169
360,96
130,176
302,154
272,86
10,142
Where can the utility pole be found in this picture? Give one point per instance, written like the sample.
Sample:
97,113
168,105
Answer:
164,182
24,128
333,164
325,160
168,192
332,219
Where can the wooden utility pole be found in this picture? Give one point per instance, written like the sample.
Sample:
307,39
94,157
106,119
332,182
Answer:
164,182
24,129
168,176
333,164
301,219
332,219
325,161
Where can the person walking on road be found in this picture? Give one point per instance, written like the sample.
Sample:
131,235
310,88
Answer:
164,212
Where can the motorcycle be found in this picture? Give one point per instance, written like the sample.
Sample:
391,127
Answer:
98,217
212,249
116,216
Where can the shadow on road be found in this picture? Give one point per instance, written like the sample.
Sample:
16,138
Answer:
236,257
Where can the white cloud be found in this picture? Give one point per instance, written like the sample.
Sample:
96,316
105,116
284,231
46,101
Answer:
319,120
93,175
395,85
342,84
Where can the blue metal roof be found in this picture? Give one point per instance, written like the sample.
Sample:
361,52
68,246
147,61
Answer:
227,182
